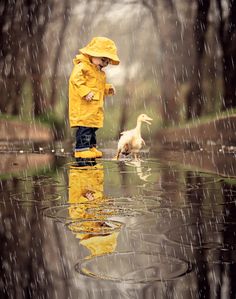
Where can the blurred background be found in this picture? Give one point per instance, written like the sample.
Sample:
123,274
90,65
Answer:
177,60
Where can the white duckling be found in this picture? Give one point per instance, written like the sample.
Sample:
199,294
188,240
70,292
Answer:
131,140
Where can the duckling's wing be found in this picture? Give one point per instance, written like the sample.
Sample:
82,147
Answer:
124,132
125,139
128,132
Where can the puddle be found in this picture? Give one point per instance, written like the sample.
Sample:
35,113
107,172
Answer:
94,227
115,229
133,267
204,235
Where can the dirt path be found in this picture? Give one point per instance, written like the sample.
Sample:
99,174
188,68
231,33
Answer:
16,130
219,131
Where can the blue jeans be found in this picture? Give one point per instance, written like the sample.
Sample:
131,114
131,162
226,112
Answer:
85,138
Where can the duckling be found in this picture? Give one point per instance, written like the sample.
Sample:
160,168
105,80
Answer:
131,140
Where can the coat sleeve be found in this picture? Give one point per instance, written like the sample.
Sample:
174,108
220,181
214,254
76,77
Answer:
107,87
79,80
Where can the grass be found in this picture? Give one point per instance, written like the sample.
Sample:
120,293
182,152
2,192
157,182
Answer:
42,120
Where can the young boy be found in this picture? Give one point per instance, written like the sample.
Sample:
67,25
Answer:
87,88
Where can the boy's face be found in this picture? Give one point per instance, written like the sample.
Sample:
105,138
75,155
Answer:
100,62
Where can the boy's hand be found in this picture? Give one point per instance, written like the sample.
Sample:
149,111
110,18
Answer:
112,90
89,96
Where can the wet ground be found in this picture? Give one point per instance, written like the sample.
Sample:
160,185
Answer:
163,227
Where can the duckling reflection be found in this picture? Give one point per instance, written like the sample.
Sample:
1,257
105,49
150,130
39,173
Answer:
86,196
143,174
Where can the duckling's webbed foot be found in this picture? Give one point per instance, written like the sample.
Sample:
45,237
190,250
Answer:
136,157
117,155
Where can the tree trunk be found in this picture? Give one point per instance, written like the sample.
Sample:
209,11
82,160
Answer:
16,103
194,104
227,36
36,30
124,106
10,62
36,75
229,74
39,103
169,30
65,22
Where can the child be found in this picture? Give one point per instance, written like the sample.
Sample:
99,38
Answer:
87,88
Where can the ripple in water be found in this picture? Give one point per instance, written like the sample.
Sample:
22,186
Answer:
133,267
66,212
206,235
94,227
27,198
120,211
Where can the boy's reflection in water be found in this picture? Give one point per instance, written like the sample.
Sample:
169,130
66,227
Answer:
86,199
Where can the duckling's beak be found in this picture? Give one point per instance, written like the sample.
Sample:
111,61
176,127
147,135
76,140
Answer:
148,120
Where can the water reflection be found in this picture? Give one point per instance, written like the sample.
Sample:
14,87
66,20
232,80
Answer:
146,229
97,233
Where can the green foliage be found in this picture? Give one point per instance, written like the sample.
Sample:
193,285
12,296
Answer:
4,116
49,119
230,181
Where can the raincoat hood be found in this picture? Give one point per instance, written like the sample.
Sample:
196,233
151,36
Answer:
102,47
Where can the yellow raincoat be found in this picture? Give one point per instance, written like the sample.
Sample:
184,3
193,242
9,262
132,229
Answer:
85,78
85,197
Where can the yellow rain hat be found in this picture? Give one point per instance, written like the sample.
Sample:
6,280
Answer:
102,47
